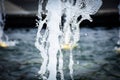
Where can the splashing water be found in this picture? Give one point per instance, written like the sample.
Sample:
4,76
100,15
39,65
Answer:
4,41
1,19
60,17
117,47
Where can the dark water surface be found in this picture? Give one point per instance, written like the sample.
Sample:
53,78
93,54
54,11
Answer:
94,58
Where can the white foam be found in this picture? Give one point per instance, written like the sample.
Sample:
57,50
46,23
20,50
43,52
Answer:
49,41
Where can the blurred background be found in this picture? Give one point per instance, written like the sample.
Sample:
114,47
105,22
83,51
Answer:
23,13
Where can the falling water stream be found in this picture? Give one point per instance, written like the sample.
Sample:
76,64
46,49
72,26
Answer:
117,47
1,19
60,17
4,40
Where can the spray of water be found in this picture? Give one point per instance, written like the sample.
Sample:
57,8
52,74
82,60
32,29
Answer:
1,19
4,41
117,47
60,17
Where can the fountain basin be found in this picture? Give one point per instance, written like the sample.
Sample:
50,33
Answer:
94,58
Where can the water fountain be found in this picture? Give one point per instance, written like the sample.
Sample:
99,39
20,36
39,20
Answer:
117,47
60,17
2,19
4,41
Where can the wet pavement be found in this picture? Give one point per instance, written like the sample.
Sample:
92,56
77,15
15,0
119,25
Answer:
94,58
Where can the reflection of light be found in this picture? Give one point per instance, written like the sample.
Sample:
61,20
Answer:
8,44
86,64
3,44
68,46
86,67
117,50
